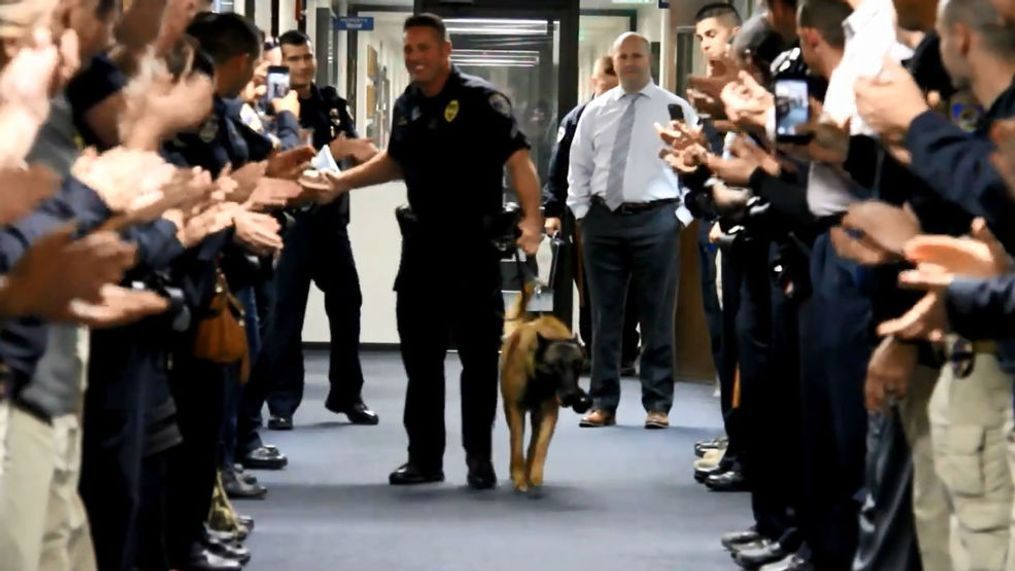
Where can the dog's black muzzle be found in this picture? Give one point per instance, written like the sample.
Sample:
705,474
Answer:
580,402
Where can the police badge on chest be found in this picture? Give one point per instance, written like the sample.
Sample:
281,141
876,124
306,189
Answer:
336,122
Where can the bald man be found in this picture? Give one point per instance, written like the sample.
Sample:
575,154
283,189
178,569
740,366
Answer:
630,209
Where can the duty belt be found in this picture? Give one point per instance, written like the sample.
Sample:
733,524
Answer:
636,207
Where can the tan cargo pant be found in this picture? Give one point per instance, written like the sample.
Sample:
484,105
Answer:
971,420
43,524
930,500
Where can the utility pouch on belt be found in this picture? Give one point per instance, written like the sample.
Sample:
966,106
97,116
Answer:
408,224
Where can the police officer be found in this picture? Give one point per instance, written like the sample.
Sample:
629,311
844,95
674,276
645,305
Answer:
317,248
453,135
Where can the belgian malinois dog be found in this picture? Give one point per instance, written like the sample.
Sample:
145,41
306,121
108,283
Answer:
539,369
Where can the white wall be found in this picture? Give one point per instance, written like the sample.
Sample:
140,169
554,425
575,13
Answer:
262,15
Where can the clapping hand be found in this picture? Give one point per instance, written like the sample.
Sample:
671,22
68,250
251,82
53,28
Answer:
874,233
258,232
158,107
23,189
290,164
57,269
722,72
888,373
747,103
889,102
939,260
117,306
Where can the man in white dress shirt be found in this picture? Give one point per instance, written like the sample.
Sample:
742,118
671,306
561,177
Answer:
629,206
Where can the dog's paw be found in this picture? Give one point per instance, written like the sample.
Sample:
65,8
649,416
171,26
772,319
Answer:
535,493
519,480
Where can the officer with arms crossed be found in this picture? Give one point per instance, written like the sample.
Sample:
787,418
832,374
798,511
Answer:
452,137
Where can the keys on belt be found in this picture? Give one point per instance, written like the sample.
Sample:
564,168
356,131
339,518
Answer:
635,207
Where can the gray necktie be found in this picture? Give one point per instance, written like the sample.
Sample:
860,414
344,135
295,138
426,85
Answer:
618,160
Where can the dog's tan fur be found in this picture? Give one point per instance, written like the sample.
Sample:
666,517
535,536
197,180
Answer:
516,369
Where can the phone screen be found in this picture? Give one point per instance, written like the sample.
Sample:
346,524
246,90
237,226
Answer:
277,83
676,112
792,108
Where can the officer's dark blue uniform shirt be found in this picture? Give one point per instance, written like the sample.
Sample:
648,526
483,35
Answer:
452,149
957,165
555,189
223,139
327,114
93,85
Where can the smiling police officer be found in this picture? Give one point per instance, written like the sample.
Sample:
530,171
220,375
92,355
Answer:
452,137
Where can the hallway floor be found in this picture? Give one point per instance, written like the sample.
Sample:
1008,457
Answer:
619,498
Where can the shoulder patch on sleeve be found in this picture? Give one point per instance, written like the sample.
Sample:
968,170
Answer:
500,104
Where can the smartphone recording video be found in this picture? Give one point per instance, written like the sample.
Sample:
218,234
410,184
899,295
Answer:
792,110
277,83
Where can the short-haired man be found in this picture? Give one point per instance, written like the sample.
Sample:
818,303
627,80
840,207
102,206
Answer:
317,248
603,79
715,26
628,203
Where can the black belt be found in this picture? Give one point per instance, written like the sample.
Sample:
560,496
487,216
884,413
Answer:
635,207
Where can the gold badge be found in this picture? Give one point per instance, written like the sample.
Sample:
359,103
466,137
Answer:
451,111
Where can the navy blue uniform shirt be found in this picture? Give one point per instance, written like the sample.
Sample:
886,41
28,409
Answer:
327,114
555,189
452,149
93,85
956,165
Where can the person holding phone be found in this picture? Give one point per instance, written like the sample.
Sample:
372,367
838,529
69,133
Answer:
317,249
630,209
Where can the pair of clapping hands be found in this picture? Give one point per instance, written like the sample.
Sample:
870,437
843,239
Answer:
875,233
138,187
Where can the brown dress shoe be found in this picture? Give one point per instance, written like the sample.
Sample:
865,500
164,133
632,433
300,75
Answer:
657,419
598,417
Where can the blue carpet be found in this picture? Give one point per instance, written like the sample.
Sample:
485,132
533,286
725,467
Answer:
619,498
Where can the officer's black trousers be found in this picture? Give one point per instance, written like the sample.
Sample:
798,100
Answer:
768,349
710,300
836,344
151,554
121,373
317,249
887,530
729,360
430,314
199,389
